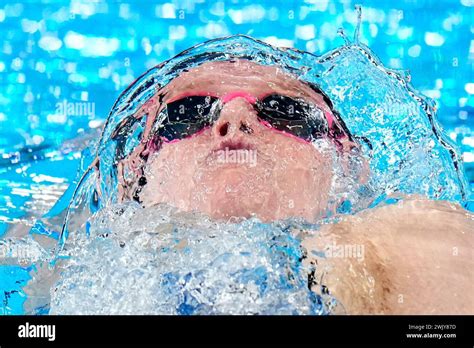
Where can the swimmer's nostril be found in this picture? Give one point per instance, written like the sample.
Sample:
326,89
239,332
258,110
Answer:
246,129
224,129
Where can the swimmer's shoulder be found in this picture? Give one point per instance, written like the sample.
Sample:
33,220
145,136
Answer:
418,259
412,215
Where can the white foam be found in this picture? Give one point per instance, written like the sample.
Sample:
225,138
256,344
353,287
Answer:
159,261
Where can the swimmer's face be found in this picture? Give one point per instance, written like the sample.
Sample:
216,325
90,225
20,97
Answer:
239,166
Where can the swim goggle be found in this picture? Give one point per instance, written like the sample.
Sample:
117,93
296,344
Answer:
191,114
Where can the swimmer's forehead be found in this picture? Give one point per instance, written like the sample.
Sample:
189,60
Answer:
222,77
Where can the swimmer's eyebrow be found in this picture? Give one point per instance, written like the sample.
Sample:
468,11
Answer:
191,94
325,103
306,99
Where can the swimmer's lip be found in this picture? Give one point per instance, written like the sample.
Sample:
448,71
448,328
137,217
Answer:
233,144
229,145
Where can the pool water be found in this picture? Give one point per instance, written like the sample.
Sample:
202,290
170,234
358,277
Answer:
158,261
84,68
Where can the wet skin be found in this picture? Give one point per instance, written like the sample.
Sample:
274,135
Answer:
290,177
417,254
418,259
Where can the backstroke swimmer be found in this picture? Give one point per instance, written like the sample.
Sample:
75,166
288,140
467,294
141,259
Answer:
417,254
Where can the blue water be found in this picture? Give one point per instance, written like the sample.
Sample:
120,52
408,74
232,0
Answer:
59,53
12,279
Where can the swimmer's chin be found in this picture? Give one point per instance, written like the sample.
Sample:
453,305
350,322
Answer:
231,214
217,215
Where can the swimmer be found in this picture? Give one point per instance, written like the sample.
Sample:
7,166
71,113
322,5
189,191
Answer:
417,254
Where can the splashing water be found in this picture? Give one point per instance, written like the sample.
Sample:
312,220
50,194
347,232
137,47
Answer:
159,261
395,125
129,259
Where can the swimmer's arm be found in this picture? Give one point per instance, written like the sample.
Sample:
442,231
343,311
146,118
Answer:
417,259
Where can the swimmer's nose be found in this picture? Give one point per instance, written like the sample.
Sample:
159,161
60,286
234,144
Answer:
237,116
